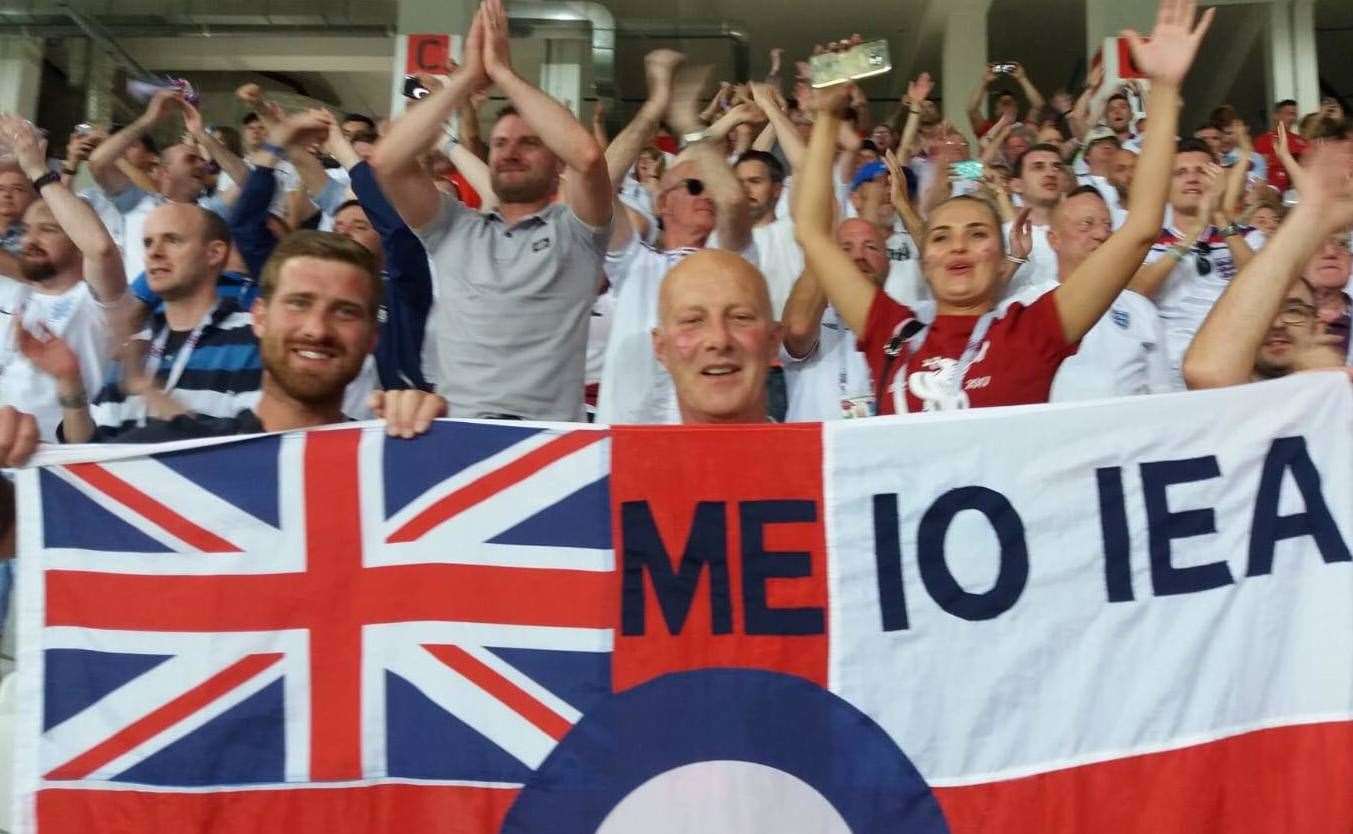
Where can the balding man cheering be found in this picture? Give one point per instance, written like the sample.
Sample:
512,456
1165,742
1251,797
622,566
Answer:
826,375
181,176
716,336
201,356
698,198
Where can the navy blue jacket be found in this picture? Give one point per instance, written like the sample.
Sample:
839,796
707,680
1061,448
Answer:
408,277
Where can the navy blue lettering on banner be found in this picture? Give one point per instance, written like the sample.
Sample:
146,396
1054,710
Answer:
888,563
1013,573
1113,527
675,590
760,565
1289,454
1165,526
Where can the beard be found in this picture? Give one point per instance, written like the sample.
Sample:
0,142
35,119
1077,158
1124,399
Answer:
308,387
530,190
36,271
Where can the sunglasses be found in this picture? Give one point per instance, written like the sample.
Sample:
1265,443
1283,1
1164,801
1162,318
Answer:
693,187
1201,261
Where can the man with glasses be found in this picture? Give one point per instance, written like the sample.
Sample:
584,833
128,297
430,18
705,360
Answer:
1265,325
1199,252
697,197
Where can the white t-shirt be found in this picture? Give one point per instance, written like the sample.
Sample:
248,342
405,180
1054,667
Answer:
1122,355
598,335
74,315
832,380
1192,288
905,284
781,260
635,387
1040,273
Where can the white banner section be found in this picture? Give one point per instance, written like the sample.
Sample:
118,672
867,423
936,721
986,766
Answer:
1051,586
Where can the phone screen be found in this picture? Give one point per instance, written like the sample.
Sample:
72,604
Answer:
861,61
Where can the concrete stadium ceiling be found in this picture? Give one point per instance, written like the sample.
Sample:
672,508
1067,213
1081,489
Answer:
1045,34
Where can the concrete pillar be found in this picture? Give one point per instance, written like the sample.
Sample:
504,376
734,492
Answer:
100,75
1306,69
20,75
426,16
1292,69
561,73
964,57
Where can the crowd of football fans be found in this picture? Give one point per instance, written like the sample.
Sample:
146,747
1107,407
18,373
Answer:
770,253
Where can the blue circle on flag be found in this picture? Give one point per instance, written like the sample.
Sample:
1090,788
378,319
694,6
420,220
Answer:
743,715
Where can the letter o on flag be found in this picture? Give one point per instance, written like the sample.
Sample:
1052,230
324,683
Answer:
939,581
657,731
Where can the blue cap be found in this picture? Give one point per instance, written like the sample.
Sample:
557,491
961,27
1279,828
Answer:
871,171
868,172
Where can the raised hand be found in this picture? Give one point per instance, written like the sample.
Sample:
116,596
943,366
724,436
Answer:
1326,184
497,53
1166,58
920,89
48,353
1096,77
192,118
302,129
81,146
160,104
1021,234
473,52
660,66
1214,199
250,94
683,112
897,181
1241,134
30,147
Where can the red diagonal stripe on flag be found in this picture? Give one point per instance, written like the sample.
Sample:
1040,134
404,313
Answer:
493,483
176,525
488,679
165,717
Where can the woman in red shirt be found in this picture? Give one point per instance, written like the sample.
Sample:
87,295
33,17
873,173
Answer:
974,350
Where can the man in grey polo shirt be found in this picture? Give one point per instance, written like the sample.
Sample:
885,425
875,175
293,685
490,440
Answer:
508,330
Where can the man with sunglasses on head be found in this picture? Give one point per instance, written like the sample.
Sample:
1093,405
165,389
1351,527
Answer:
1199,251
1266,324
697,197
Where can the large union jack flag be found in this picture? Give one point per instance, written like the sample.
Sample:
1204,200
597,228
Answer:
316,615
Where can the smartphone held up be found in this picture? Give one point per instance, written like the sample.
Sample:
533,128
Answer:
860,61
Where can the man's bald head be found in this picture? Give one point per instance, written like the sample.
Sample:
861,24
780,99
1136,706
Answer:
186,247
717,337
711,267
